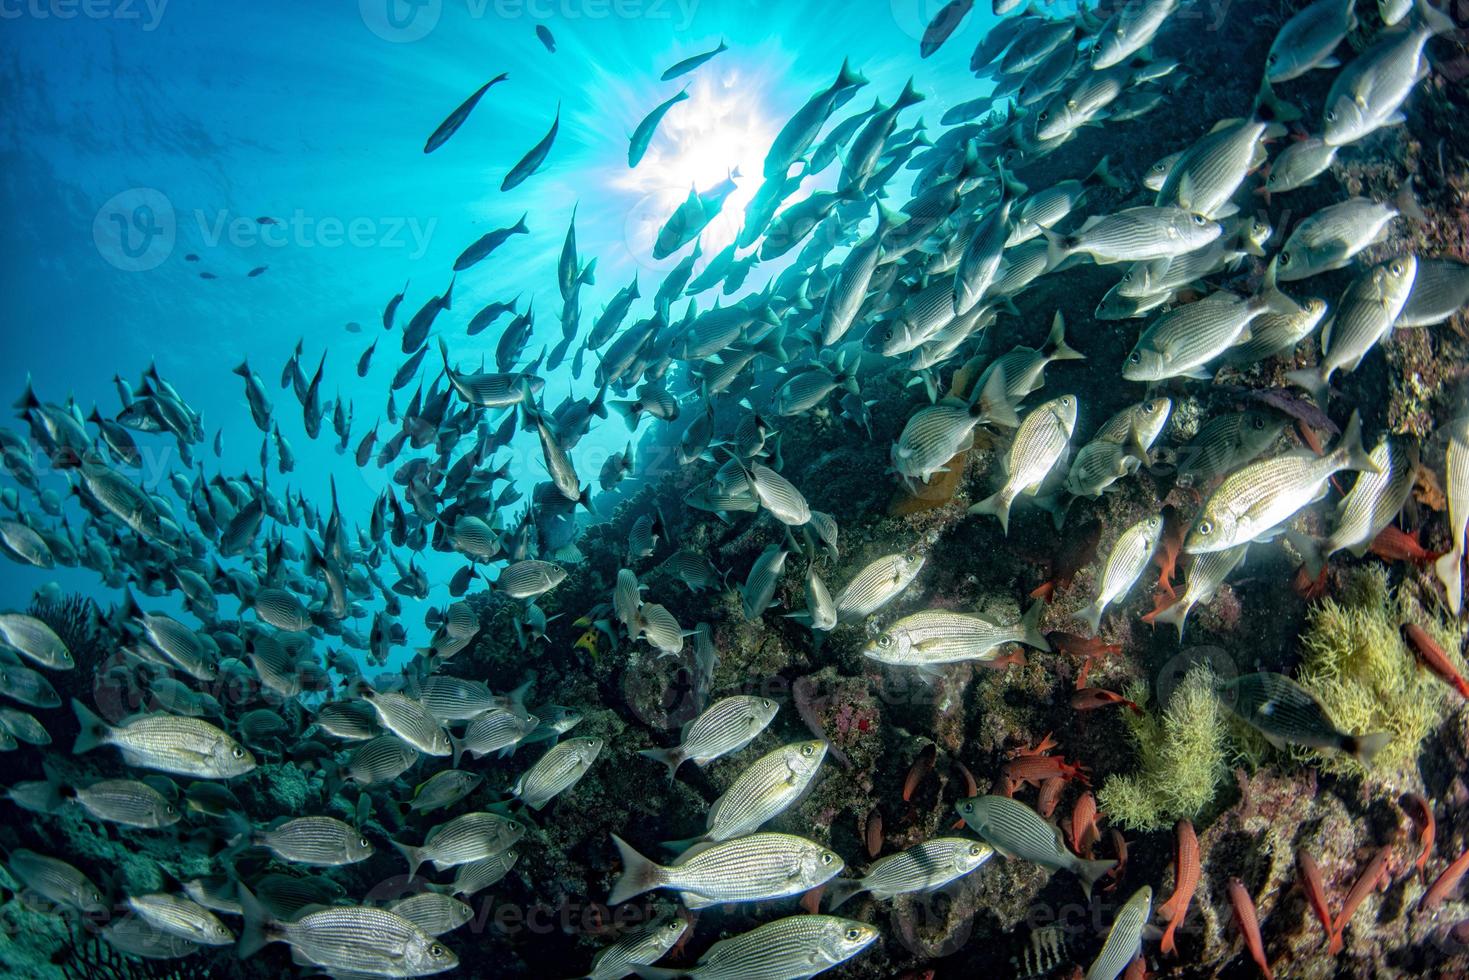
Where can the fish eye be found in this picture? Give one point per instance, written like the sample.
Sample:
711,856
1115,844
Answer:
362,842
1200,220
1258,423
975,850
1134,358
1397,268
885,640
826,857
1152,407
436,951
513,826
1043,115
169,809
966,807
1285,258
1272,59
888,334
806,750
766,703
910,559
1206,527
237,752
1331,115
1066,401
854,934
1127,278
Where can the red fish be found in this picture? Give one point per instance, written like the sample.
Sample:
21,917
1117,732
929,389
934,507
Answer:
873,833
1365,886
1050,795
1084,830
1248,922
1091,698
1444,883
1185,881
1034,769
1166,557
1314,889
1119,847
1087,649
1432,656
1076,552
1394,544
922,766
1426,826
1307,587
1040,748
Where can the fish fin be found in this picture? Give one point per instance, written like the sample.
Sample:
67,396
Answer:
1350,447
842,890
1407,204
1056,348
1449,569
1310,551
1176,614
1091,615
998,505
672,758
413,855
639,874
1312,380
1030,627
1090,871
1364,748
255,934
94,731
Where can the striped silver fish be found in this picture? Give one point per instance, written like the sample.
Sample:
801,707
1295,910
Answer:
1097,466
1450,566
34,640
349,939
1129,30
849,287
1125,564
1182,341
1440,289
529,578
726,726
182,917
1017,831
1225,443
444,788
877,584
1124,942
448,698
489,390
556,771
23,726
1137,426
980,262
1252,503
755,868
282,609
1365,315
354,720
936,637
792,948
924,867
924,314
627,598
1368,92
432,912
1299,164
1371,505
410,721
1277,333
54,880
132,936
1039,445
692,568
1309,39
27,686
659,627
640,947
315,841
777,495
474,877
128,802
1286,713
1206,573
185,746
821,612
380,760
936,433
1134,235
771,785
758,592
1204,180
466,838
180,645
493,731
1331,237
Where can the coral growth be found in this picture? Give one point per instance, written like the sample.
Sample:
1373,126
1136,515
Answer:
1183,753
1354,660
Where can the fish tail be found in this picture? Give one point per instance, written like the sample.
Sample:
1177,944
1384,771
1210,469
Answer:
1030,627
1313,380
909,97
639,874
1176,614
672,758
243,369
1056,348
1091,615
1310,550
519,227
413,855
842,890
630,411
1350,448
1055,248
1364,748
1432,18
1090,871
994,401
1407,203
1102,174
94,731
1270,106
996,504
256,932
1449,569
1165,945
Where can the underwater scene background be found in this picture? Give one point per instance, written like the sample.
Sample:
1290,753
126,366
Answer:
1019,456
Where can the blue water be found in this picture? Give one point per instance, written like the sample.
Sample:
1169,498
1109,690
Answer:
138,134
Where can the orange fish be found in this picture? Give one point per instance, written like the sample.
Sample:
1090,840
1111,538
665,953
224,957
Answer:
1084,830
1393,544
1034,769
1166,557
1314,889
1040,748
1365,885
1444,883
1050,795
1426,824
1431,655
921,767
1248,921
1185,881
1091,698
1076,552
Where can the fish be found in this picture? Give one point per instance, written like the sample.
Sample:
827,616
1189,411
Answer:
1040,444
643,134
534,157
1253,502
359,939
879,583
1206,572
1449,567
1440,289
184,746
770,785
543,34
54,880
924,867
1373,503
1124,566
1225,443
557,771
1205,178
1124,941
432,912
529,578
1432,656
726,726
483,246
1129,30
936,637
1134,235
1247,920
409,720
1308,40
1183,341
1016,831
1370,89
448,128
129,802
757,867
1274,333
34,640
444,788
181,917
467,838
1286,713
1298,165
316,841
1186,872
760,585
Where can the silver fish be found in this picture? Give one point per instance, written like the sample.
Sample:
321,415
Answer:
1135,234
1040,444
1299,164
935,637
1331,237
1017,831
1124,940
187,746
182,917
315,841
1206,573
432,912
1440,289
1308,40
770,786
410,721
1124,566
33,639
466,838
1364,316
54,880
764,578
1371,505
877,584
529,578
349,939
1204,180
557,771
1227,442
128,802
640,947
1450,566
1286,713
922,868
1277,333
1181,342
728,725
755,868
795,947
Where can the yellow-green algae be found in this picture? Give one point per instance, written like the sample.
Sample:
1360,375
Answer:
1354,660
1184,756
